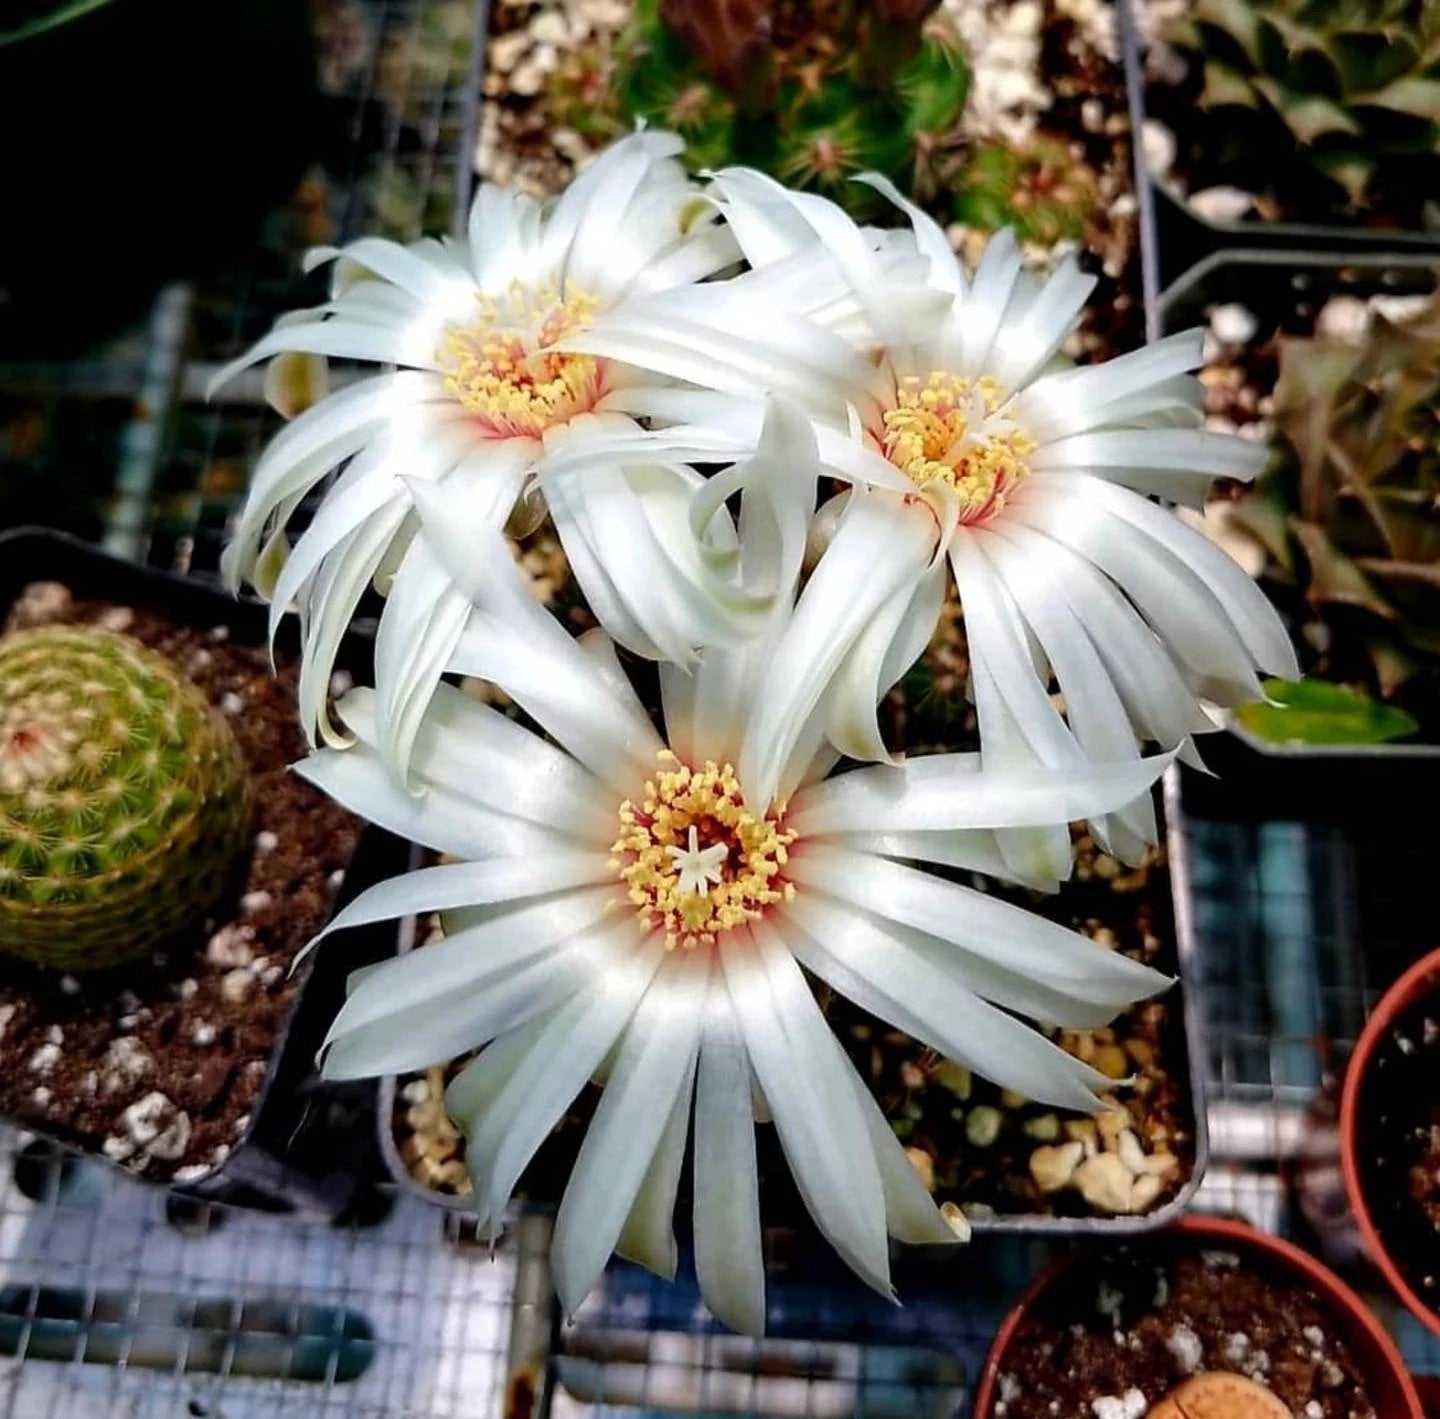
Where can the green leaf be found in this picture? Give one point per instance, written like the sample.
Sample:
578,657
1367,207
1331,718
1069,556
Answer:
1226,87
933,88
1313,711
1415,95
1237,18
1312,117
57,15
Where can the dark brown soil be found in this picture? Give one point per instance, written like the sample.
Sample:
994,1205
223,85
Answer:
1144,1319
187,1036
1399,1146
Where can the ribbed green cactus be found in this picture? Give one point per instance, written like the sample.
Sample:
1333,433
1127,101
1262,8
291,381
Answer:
1349,510
813,91
124,799
1353,87
1041,188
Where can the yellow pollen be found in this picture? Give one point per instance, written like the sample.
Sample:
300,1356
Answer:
707,799
501,368
954,431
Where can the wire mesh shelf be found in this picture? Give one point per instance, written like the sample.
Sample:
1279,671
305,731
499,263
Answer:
115,1300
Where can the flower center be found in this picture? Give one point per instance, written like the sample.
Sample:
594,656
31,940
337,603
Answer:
38,740
955,431
500,367
694,859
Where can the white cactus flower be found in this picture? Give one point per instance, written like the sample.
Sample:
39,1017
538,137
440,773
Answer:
485,408
968,438
625,906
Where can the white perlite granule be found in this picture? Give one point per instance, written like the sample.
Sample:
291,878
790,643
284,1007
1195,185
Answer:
1186,1347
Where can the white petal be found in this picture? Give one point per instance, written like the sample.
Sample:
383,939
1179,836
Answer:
970,849
1024,345
881,545
657,1055
648,1236
729,1259
441,820
1019,941
816,1112
936,1009
508,1111
984,310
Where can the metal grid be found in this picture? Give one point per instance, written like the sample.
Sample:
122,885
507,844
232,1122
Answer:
111,1303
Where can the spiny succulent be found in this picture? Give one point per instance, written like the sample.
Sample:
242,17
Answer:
1041,187
1349,88
813,91
1349,509
124,799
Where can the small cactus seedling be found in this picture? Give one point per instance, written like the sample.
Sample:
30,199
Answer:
1341,96
124,799
813,91
1042,188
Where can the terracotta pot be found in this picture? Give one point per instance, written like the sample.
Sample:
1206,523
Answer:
1388,1383
1422,979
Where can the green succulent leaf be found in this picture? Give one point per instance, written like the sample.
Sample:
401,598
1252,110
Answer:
1314,711
1237,18
933,88
1414,94
1225,86
1334,577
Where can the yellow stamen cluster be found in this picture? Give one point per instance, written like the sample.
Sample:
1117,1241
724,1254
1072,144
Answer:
500,367
709,799
952,430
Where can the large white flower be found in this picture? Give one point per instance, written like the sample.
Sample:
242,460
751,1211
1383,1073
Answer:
486,407
624,909
970,439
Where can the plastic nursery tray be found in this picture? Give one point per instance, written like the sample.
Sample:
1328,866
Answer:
306,1146
1270,284
1190,1059
1175,236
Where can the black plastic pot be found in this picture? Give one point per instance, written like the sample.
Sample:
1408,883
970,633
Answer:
309,1147
144,141
1178,236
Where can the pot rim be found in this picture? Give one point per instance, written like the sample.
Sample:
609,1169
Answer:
1423,977
1333,1293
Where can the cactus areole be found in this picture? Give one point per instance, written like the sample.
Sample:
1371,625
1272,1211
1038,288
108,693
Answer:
124,799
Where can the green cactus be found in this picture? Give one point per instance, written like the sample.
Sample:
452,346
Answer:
124,799
813,91
1041,188
1349,88
1349,508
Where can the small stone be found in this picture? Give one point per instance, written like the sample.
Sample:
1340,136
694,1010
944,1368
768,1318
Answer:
117,618
1054,1167
1110,1060
41,1097
128,1022
220,633
231,703
240,1125
1144,1191
203,1034
173,1139
1234,324
911,1075
953,1076
142,1118
191,1172
1009,1099
253,902
44,1059
266,841
1186,1347
1110,1124
956,1220
1105,1182
188,987
7,1014
924,1166
236,985
54,1035
68,986
1044,1129
1314,1336
982,1125
230,946
1141,1051
1222,204
117,1149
